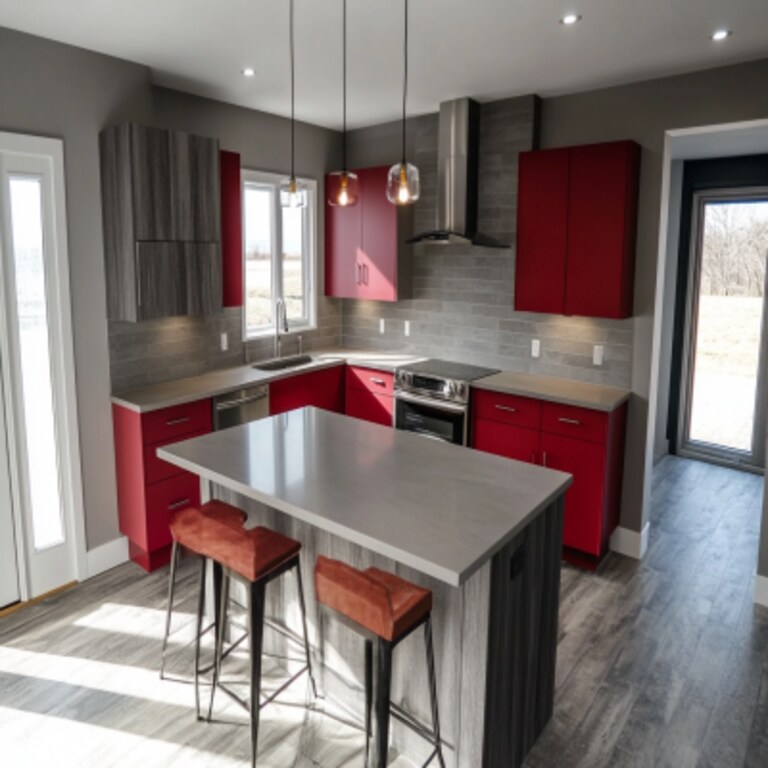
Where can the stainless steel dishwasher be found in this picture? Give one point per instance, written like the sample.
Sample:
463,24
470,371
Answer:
240,407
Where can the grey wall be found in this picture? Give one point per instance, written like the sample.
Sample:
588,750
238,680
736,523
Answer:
151,352
644,112
462,305
59,91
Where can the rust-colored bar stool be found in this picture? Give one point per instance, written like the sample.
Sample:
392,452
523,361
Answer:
384,609
184,531
255,558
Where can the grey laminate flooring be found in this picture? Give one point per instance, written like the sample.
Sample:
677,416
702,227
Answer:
660,663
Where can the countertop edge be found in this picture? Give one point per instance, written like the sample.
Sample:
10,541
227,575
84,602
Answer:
553,398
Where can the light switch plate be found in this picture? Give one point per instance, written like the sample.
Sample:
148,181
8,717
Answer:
381,325
535,348
407,327
598,354
224,341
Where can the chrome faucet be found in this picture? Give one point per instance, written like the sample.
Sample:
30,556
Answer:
281,325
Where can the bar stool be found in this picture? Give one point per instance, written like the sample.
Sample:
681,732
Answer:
384,609
255,558
185,537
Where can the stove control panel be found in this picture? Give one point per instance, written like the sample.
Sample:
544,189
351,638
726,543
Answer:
432,386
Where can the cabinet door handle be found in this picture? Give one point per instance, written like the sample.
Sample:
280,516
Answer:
380,382
508,408
365,274
178,504
543,458
575,422
174,422
357,273
533,457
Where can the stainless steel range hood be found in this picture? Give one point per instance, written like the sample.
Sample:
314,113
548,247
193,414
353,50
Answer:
457,179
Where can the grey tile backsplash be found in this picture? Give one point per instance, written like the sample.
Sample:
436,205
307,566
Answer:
463,297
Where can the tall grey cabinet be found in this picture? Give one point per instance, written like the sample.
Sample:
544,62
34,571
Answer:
161,211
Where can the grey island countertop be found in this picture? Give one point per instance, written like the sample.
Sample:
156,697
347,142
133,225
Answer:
442,509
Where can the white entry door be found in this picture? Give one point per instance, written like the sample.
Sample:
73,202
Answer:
37,362
9,573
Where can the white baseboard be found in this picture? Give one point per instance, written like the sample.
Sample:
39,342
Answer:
630,543
107,556
761,590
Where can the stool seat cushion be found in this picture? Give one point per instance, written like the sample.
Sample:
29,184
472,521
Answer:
253,554
382,602
185,521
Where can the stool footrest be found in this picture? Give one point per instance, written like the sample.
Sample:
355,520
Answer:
409,720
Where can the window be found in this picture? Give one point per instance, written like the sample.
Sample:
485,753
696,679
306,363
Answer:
279,255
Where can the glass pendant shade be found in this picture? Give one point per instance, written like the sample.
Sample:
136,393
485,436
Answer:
293,194
403,185
343,189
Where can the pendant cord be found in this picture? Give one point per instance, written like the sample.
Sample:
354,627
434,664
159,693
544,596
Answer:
293,98
344,67
405,71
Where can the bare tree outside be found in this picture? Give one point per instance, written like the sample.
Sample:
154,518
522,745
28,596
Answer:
732,284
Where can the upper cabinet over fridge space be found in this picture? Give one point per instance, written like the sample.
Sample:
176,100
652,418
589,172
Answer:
162,223
576,230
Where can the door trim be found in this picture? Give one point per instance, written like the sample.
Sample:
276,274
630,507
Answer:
62,367
754,460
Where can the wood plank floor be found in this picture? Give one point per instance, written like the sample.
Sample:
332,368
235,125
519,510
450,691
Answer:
663,663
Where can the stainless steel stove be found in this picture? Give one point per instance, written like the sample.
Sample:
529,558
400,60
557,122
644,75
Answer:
432,398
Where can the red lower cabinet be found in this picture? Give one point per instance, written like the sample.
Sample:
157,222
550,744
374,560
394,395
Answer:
150,490
370,395
584,443
321,389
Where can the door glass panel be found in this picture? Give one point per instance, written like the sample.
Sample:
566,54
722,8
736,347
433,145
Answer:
293,263
726,353
37,391
259,240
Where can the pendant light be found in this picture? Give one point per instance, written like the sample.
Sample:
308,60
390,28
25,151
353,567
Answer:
293,194
403,186
343,184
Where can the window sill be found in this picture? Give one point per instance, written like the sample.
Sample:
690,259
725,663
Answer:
270,333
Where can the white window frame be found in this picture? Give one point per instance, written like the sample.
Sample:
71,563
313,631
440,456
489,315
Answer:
274,180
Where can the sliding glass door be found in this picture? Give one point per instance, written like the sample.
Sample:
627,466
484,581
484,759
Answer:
9,572
723,403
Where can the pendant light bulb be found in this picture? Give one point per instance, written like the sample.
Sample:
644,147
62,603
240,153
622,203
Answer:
342,186
403,183
293,194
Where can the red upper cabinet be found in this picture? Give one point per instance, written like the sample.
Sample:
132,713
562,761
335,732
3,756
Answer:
577,224
231,229
542,231
602,227
366,256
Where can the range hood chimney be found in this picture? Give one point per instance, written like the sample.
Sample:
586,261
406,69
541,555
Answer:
457,178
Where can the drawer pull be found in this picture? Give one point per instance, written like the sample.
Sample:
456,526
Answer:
380,382
178,504
506,408
575,422
174,422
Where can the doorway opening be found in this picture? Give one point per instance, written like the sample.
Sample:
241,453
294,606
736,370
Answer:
723,396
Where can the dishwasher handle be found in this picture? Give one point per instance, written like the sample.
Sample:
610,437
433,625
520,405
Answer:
229,404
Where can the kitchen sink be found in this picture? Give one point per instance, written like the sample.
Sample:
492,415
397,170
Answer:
283,363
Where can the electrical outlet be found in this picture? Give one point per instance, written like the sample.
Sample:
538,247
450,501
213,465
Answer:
407,327
598,354
381,325
535,348
224,341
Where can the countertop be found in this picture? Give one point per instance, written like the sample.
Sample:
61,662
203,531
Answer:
442,509
225,380
565,391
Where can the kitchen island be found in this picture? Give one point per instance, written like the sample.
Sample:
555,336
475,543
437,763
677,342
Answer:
484,533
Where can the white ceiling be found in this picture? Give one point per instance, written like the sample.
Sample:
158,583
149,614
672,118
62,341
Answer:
483,48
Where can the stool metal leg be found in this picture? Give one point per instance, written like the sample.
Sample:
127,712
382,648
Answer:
198,632
220,632
169,609
433,689
383,686
368,697
303,607
255,633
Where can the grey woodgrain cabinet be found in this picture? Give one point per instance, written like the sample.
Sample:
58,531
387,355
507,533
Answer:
161,211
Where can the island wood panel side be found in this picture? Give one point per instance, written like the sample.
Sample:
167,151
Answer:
460,625
522,643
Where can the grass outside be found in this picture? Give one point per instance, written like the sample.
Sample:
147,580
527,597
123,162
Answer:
258,286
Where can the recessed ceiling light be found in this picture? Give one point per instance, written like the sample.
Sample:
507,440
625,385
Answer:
249,72
721,34
570,18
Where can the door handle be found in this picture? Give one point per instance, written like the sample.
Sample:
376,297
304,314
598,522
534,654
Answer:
365,274
380,382
357,273
543,458
178,504
507,408
174,422
575,422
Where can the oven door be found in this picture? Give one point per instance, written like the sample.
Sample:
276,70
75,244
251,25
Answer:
431,418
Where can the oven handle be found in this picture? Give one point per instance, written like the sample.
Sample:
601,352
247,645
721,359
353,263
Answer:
440,405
